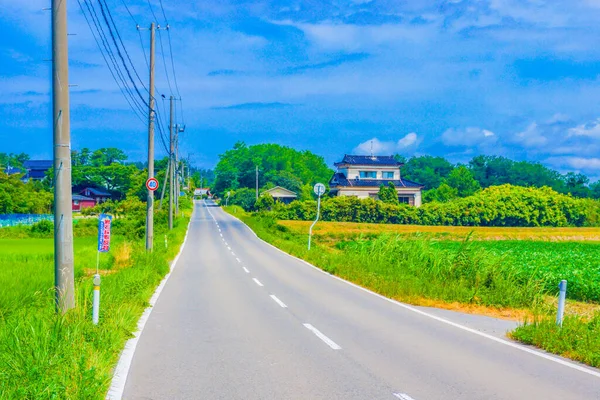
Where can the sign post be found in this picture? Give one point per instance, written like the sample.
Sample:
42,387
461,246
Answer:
319,191
104,228
227,199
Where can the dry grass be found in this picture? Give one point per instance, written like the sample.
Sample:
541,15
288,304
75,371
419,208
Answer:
329,231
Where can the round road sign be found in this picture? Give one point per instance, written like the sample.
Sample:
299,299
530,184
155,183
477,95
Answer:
319,189
152,184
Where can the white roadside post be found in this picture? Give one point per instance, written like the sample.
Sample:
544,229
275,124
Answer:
104,228
562,294
319,191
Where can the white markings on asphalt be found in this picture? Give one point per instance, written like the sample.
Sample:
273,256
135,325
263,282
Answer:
238,260
232,253
321,336
228,248
403,396
221,234
257,282
281,303
246,269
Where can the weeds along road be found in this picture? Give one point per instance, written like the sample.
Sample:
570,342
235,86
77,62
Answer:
240,320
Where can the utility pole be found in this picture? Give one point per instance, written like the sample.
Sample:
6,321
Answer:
162,193
177,189
150,199
257,182
64,276
172,173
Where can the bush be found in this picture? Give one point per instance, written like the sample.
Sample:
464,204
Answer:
42,228
264,203
504,205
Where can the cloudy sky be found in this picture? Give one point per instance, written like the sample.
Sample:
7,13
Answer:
518,78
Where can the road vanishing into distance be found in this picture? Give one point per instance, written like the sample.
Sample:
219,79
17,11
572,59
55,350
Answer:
239,319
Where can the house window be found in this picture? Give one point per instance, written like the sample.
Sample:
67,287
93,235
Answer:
388,174
368,174
404,200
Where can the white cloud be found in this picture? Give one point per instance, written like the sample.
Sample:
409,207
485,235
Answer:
471,136
579,163
591,129
531,137
379,147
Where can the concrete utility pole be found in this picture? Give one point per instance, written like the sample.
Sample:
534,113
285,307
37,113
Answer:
64,276
177,189
171,162
162,193
257,182
150,201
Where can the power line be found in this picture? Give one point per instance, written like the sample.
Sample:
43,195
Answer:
162,54
107,47
110,30
122,44
104,56
170,49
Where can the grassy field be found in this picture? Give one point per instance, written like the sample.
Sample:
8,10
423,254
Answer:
47,356
494,271
344,230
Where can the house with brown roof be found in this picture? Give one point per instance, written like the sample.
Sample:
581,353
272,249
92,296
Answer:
362,176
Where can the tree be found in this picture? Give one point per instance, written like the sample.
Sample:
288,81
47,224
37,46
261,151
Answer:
107,156
264,202
278,165
443,194
427,170
388,194
576,184
461,179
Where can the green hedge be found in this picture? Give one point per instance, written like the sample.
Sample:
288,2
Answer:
504,205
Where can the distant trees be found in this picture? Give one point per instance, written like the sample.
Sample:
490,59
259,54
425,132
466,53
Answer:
17,197
277,166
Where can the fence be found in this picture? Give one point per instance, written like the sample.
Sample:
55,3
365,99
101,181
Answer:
23,219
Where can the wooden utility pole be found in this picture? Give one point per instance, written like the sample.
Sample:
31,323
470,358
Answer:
63,214
171,163
150,199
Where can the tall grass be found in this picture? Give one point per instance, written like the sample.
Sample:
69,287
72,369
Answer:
412,267
46,356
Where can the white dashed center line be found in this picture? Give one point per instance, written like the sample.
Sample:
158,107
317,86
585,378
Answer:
238,260
246,269
281,303
403,396
321,336
257,282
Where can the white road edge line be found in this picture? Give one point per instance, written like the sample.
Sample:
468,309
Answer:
281,303
517,346
403,396
246,269
117,385
257,282
324,338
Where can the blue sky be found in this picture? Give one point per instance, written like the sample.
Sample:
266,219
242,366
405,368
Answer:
518,78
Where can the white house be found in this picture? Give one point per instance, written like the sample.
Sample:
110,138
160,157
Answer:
281,194
362,176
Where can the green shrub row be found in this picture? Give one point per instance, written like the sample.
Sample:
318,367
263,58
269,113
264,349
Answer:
504,205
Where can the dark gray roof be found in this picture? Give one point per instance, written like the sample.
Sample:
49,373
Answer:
38,164
81,198
340,179
96,192
369,160
13,170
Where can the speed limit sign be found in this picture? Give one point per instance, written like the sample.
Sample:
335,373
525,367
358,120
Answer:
152,184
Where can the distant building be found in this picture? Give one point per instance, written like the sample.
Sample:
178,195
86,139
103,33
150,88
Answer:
98,195
362,176
36,169
12,170
79,202
281,194
202,192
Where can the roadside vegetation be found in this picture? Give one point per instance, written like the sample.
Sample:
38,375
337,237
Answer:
47,356
511,278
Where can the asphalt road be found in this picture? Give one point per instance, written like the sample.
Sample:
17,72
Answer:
240,320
